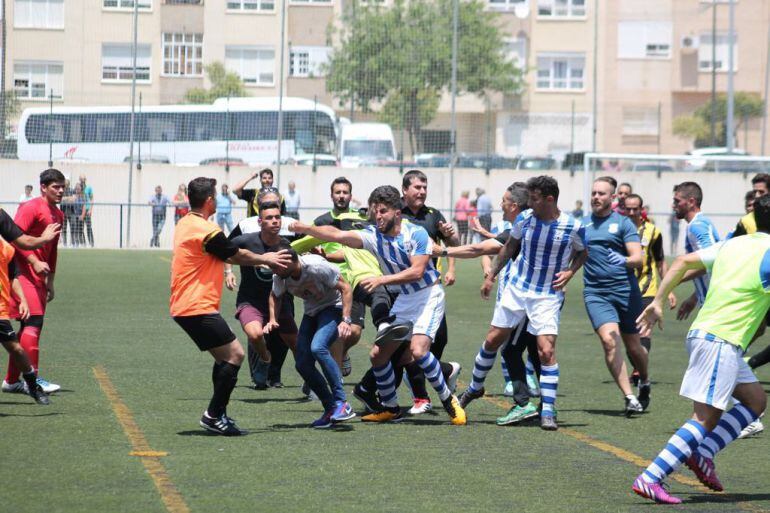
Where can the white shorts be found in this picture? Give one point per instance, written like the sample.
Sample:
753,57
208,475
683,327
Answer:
543,312
715,368
424,309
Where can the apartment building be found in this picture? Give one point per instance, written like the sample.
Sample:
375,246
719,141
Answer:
652,62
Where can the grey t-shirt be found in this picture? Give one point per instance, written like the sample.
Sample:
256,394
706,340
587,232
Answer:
316,284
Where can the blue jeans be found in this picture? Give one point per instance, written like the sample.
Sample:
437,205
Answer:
225,220
316,334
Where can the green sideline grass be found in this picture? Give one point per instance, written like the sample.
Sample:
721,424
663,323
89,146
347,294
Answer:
111,310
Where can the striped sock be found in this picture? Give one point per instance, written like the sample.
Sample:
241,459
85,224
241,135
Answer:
386,385
506,375
485,360
677,450
730,426
432,369
549,382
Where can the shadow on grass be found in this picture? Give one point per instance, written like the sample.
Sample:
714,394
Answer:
726,498
607,413
341,428
32,415
272,400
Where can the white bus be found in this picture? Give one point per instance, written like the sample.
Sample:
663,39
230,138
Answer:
181,134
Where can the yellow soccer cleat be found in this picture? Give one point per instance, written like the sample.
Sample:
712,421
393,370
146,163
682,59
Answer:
455,411
387,415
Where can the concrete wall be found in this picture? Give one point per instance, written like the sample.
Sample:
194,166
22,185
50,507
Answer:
723,192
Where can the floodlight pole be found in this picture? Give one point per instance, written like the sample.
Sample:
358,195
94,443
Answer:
714,74
730,125
50,132
280,93
764,106
132,124
453,117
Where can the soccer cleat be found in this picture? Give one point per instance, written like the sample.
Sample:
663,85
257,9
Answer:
455,410
48,388
704,470
508,389
347,366
324,421
20,387
223,425
309,394
259,374
368,398
420,406
469,395
533,385
752,429
632,406
548,422
275,383
451,380
654,491
389,333
644,395
342,412
387,415
39,395
518,414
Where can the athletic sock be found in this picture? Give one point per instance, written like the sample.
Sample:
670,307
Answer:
530,367
416,381
386,385
225,376
30,378
729,427
30,342
484,362
506,374
549,383
430,366
677,450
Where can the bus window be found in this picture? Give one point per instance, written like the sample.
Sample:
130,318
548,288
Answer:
162,127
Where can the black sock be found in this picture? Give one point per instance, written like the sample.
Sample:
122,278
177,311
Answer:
417,381
368,382
760,358
31,379
446,369
225,376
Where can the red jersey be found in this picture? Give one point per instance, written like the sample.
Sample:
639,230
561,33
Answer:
33,217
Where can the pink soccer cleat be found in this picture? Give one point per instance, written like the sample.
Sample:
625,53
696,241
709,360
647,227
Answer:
654,491
704,470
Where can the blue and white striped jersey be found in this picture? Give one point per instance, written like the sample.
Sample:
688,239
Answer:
546,249
393,253
701,234
505,274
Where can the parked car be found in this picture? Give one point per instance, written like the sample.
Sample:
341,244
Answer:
150,159
536,163
222,161
700,156
484,161
433,159
659,167
320,160
735,166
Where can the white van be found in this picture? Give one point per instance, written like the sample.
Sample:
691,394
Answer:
366,144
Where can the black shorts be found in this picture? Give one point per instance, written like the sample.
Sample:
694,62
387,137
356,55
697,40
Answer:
357,313
207,331
7,334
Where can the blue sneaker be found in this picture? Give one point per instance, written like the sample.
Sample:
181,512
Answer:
324,421
342,412
259,374
48,388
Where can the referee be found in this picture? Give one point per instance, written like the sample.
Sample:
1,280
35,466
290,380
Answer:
414,188
197,274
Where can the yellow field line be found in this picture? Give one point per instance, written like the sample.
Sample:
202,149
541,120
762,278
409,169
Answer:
627,456
170,496
165,259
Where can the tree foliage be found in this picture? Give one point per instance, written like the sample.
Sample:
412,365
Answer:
397,60
698,125
223,84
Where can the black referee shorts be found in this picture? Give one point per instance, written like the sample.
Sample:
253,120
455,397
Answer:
7,334
207,331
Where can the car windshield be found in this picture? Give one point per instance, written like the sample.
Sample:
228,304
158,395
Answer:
379,150
536,164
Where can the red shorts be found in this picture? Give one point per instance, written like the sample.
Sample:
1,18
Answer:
247,313
36,294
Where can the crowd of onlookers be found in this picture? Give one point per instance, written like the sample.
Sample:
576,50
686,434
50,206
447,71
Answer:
77,206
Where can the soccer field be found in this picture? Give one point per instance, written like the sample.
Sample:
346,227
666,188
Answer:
134,384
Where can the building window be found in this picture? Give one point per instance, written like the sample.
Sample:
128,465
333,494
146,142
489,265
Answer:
46,14
640,121
308,61
561,8
34,79
556,72
250,5
315,2
254,64
505,5
145,5
191,2
516,49
117,62
183,55
722,52
644,39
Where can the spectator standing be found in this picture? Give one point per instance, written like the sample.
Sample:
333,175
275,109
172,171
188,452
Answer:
462,207
88,198
673,225
292,200
225,202
484,208
78,206
159,203
181,203
578,213
27,194
68,209
250,195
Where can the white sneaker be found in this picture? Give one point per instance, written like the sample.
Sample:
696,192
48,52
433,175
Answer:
451,381
752,429
420,406
534,385
508,389
20,387
48,388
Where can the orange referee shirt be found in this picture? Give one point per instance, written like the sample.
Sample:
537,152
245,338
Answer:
6,256
196,276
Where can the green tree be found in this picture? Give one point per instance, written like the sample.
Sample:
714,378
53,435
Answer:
223,83
397,61
698,124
